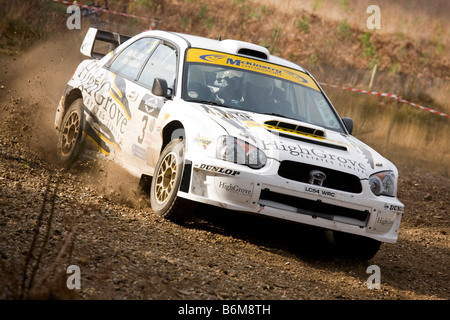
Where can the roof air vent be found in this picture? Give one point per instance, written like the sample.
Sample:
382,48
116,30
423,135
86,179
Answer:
245,48
253,53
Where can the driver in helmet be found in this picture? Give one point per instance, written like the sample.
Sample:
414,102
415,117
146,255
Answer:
230,92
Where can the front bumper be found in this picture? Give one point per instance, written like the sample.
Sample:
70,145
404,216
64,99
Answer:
264,192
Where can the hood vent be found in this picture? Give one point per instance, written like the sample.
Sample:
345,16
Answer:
292,128
301,133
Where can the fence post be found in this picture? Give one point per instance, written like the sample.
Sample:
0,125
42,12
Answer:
374,71
392,121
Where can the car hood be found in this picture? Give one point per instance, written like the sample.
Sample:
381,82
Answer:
287,139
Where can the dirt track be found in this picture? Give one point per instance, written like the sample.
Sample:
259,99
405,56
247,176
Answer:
97,218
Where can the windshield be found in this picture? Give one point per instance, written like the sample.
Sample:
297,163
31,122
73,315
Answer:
251,85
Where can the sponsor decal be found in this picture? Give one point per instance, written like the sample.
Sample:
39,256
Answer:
212,57
138,152
218,169
316,154
235,188
100,134
110,120
108,113
240,120
297,76
151,105
117,91
392,207
151,126
252,124
150,139
193,94
384,221
95,138
236,116
202,141
363,151
85,72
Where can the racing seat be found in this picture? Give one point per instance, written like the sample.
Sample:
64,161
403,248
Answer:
284,106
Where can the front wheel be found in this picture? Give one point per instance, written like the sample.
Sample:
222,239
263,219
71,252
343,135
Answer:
166,183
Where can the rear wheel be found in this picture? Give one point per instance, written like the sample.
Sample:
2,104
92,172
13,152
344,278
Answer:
354,246
166,183
69,144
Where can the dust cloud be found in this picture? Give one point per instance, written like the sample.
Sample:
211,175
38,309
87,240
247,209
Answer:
31,85
32,82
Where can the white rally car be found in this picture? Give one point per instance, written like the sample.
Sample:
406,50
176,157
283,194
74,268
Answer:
227,124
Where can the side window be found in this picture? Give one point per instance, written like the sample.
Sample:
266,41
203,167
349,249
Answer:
130,60
162,64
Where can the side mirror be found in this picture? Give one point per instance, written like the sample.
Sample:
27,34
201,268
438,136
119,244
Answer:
348,122
160,88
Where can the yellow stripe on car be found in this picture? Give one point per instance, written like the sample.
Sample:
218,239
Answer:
301,133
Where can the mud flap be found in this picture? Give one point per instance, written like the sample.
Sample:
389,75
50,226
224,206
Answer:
186,180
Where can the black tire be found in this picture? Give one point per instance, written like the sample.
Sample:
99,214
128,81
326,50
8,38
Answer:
166,183
354,246
69,144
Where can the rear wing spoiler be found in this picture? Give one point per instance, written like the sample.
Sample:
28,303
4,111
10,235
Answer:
97,43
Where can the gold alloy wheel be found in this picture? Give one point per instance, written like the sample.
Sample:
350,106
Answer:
166,177
70,132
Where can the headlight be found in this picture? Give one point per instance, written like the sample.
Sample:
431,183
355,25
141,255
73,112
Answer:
383,183
238,151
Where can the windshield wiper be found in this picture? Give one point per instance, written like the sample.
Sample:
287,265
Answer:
275,114
214,103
